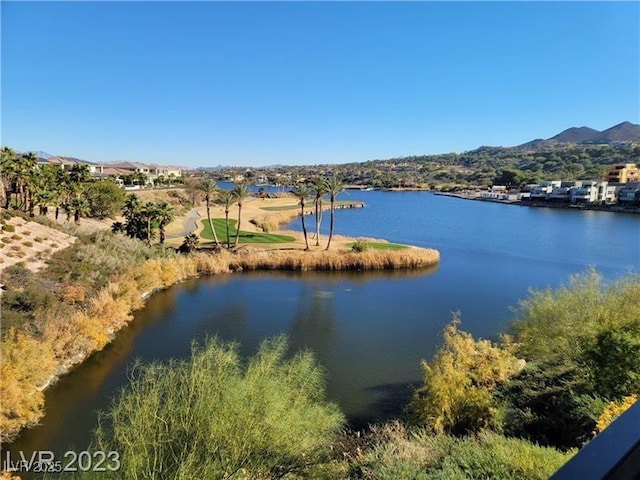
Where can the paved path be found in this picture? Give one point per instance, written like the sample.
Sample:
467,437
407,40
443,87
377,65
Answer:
190,225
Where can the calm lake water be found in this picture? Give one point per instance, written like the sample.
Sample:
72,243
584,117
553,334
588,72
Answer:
369,330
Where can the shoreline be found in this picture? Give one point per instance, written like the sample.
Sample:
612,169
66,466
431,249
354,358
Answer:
111,311
535,204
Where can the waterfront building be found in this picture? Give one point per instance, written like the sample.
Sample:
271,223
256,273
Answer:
542,191
590,191
629,194
623,173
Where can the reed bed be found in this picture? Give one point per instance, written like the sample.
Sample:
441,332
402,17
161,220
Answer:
270,222
301,261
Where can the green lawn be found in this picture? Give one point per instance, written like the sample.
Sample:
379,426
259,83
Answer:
245,237
380,245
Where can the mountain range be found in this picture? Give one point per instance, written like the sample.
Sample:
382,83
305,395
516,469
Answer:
624,132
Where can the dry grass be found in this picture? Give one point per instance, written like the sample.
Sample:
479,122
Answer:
301,261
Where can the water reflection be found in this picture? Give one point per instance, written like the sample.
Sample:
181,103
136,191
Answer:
315,309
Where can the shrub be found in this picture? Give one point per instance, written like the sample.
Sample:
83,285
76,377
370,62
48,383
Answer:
28,244
458,384
265,419
8,228
613,360
550,404
16,237
5,240
105,199
26,233
359,246
26,365
393,452
613,410
562,323
38,239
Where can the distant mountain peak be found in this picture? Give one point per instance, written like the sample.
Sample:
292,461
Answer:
575,135
620,133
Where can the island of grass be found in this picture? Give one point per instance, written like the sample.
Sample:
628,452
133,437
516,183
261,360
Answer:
245,237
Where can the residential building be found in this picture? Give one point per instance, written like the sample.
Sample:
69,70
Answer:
623,173
542,191
67,163
629,194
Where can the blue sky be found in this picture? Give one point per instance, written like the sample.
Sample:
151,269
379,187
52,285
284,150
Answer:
208,83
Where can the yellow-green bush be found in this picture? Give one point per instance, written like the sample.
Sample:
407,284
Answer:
393,452
458,384
214,416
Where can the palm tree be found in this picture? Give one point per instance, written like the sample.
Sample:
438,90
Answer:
8,174
149,213
319,189
209,188
44,187
164,215
131,211
25,170
226,199
79,206
334,187
80,173
301,192
240,192
62,189
189,243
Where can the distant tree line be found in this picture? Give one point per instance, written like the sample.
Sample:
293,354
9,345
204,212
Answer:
27,186
480,167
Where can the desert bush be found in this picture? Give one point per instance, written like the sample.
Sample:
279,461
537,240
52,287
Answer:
105,199
26,366
561,323
267,418
8,228
393,452
74,293
6,240
458,384
551,404
612,359
16,237
28,244
359,246
38,239
26,233
613,410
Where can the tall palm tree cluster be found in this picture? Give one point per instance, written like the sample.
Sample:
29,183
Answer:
226,198
142,219
316,190
26,185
